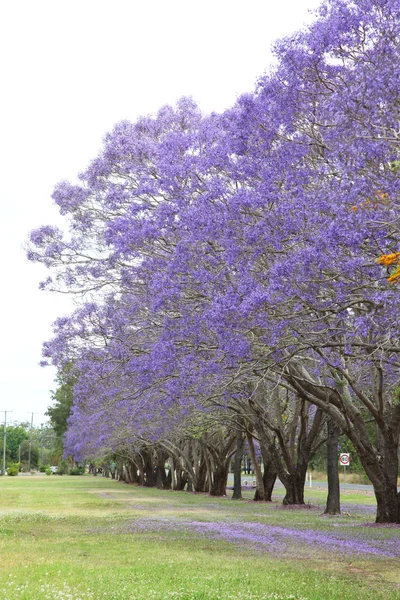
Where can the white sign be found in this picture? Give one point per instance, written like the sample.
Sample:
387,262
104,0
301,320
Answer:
344,459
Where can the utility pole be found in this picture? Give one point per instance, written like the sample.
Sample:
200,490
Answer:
41,443
30,443
3,471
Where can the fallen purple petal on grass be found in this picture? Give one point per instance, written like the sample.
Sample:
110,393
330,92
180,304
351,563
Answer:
278,540
307,506
368,509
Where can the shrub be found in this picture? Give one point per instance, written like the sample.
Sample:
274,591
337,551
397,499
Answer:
76,471
43,468
48,471
13,470
63,468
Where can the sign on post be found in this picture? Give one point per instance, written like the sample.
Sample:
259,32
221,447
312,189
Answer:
344,459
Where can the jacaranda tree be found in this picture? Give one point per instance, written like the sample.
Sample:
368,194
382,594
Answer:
215,255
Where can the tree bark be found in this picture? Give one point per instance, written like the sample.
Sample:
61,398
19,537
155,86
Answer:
294,487
333,500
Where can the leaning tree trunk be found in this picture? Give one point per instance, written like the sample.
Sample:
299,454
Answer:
333,500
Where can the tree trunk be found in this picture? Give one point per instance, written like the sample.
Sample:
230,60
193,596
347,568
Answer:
169,479
269,479
160,473
172,471
259,495
382,470
123,474
333,500
388,509
200,471
148,469
383,474
294,487
181,479
141,471
237,467
381,465
219,479
269,474
380,461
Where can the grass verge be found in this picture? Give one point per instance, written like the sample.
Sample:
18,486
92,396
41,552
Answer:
91,538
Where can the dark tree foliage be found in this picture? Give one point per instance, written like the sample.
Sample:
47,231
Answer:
15,437
63,399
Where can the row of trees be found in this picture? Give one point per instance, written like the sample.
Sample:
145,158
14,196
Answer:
30,446
233,271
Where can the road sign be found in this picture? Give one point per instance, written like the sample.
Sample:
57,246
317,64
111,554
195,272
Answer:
344,459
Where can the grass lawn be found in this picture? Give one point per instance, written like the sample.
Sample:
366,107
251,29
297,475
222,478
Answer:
88,537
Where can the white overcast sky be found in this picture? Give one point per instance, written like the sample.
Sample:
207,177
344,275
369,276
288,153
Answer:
69,71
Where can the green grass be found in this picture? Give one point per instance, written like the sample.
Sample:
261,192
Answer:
84,538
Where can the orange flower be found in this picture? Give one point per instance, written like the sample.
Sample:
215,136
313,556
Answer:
395,277
388,259
380,199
